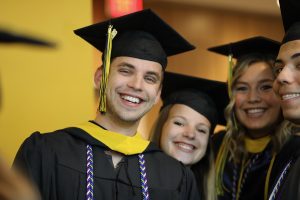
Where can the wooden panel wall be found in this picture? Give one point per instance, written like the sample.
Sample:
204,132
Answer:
206,27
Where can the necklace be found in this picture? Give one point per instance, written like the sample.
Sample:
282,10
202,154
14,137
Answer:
237,185
90,175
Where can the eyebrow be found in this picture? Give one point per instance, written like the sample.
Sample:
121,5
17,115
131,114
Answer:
177,115
184,118
203,124
125,64
292,57
261,81
295,55
266,80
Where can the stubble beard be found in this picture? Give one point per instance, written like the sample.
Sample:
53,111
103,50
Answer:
118,112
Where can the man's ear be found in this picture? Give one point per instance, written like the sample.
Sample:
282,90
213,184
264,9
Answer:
97,77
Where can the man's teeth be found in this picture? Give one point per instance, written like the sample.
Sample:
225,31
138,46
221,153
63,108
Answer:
131,99
255,110
290,96
185,146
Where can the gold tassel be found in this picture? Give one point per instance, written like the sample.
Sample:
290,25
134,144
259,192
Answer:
111,33
268,177
230,67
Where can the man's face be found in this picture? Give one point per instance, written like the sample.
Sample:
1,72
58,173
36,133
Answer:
287,83
133,88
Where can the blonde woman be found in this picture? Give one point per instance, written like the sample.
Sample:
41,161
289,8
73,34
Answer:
246,151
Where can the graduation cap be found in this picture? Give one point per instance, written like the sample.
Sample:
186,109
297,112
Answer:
141,35
238,49
242,48
9,37
291,19
208,97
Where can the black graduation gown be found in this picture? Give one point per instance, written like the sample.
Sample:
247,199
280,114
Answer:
290,187
254,185
57,164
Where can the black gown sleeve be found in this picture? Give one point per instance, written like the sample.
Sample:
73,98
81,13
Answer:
35,161
193,191
291,184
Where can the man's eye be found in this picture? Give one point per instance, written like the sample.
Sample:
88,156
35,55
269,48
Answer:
151,79
124,71
276,70
296,62
297,65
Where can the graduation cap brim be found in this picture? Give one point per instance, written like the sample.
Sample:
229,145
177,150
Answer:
291,19
216,90
238,49
145,20
9,37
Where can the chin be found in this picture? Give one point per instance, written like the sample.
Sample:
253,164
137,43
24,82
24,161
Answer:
258,125
131,117
127,116
292,117
187,163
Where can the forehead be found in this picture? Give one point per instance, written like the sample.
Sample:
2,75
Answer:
138,64
288,49
187,112
256,72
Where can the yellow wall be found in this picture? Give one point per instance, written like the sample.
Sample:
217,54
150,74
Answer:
44,89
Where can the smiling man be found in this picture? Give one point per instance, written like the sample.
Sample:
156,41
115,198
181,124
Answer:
285,176
106,158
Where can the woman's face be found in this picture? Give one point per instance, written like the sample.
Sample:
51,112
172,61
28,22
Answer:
185,134
256,105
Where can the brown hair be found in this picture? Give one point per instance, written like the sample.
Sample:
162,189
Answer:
203,170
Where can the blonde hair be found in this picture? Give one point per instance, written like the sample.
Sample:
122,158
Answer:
235,130
233,145
203,170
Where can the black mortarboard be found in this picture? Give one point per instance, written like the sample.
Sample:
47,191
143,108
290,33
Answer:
258,44
205,96
10,37
141,35
291,19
